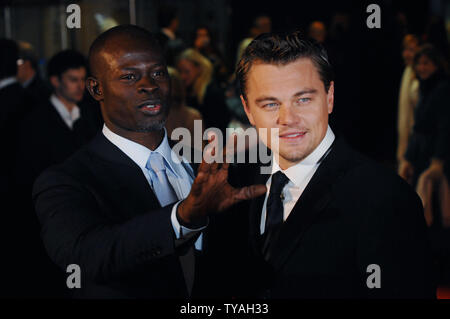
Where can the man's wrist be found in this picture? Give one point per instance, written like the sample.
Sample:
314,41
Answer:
191,223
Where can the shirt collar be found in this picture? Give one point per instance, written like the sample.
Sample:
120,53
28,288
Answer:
139,153
7,81
68,117
297,172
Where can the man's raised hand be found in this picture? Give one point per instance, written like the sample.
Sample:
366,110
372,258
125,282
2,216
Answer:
212,193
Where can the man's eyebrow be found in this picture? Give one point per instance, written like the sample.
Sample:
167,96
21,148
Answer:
265,98
306,91
133,68
299,93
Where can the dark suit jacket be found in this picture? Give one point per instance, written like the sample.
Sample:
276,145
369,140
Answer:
14,105
44,134
44,140
352,214
39,90
97,210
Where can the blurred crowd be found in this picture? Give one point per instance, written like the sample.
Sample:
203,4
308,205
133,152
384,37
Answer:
45,119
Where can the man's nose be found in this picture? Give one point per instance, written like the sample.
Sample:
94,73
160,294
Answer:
286,115
148,84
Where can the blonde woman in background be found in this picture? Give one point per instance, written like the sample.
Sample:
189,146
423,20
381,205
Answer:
408,96
202,91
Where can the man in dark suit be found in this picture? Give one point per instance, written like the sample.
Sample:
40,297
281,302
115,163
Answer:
48,135
168,21
333,224
14,105
125,208
61,125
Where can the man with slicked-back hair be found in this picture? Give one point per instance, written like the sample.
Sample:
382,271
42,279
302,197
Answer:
333,223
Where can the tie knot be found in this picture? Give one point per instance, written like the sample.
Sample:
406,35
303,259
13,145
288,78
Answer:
155,162
279,180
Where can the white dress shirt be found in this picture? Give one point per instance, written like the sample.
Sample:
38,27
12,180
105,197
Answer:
179,173
299,176
68,117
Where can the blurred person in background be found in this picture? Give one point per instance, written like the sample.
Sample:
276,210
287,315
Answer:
15,104
205,44
28,74
427,151
408,95
261,24
168,22
426,161
202,91
51,133
180,115
317,31
62,124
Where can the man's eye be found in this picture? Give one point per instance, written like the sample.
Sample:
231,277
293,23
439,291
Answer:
270,105
304,100
128,77
159,73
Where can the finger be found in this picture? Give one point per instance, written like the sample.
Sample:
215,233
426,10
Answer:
249,192
204,167
230,147
214,164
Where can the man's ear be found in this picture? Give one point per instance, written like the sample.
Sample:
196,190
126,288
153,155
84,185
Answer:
247,110
330,97
94,88
54,80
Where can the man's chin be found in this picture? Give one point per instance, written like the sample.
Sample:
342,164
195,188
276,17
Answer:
152,127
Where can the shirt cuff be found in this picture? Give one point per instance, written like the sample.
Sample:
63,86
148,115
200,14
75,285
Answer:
181,230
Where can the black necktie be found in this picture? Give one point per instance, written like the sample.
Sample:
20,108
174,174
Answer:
274,216
274,203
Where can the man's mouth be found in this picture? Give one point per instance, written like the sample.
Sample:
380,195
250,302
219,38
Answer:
292,135
151,107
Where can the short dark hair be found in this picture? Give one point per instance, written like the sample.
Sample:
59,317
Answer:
130,31
9,53
432,53
65,60
283,48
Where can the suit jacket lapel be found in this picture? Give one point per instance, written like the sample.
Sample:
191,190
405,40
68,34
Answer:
313,201
255,216
118,167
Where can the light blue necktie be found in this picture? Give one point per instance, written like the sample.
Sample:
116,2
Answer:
160,183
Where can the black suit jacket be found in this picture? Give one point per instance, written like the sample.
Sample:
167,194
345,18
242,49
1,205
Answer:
353,213
97,210
14,105
44,140
45,135
39,90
